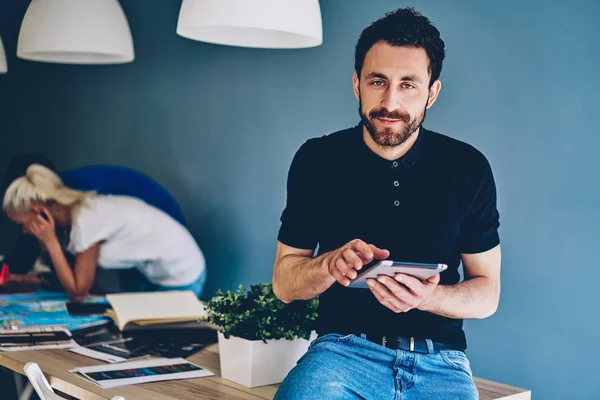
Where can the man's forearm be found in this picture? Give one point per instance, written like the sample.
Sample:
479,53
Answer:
473,299
301,278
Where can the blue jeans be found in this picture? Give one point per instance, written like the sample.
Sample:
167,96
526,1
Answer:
349,367
144,285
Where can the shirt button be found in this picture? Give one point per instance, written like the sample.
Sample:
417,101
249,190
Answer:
395,164
396,203
396,183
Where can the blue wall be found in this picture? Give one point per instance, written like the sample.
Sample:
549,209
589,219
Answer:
218,126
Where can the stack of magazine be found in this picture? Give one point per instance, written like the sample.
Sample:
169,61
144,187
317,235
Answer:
102,343
45,309
35,338
40,320
159,324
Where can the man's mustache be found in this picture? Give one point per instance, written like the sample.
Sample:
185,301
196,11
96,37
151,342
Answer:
385,114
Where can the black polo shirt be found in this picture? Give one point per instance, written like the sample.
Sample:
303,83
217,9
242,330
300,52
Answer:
431,205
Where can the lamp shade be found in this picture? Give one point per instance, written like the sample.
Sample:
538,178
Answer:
75,32
277,24
3,65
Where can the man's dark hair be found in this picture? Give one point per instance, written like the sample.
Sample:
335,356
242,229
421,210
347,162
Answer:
403,27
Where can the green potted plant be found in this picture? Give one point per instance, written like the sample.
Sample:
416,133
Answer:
260,337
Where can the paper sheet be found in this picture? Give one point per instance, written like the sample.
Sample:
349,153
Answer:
97,355
131,373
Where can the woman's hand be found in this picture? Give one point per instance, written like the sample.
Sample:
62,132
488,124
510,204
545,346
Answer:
43,229
29,279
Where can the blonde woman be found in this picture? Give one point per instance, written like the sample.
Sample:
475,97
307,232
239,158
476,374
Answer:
105,231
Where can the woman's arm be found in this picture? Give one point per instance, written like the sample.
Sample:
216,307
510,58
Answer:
78,281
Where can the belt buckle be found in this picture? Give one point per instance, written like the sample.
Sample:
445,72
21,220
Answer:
411,345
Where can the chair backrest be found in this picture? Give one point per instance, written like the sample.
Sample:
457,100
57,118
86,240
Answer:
117,180
40,383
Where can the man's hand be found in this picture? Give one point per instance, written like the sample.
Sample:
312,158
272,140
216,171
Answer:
345,261
404,292
43,229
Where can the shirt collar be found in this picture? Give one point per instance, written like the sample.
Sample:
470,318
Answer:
409,158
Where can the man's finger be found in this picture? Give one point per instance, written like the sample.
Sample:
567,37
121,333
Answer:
339,276
371,283
434,280
384,302
397,290
412,283
378,253
363,259
352,259
385,297
360,246
344,268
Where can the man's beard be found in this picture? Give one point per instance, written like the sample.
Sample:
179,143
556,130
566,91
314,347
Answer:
387,137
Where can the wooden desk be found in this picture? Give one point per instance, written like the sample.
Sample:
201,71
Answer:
56,363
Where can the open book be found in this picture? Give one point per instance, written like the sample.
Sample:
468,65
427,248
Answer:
154,308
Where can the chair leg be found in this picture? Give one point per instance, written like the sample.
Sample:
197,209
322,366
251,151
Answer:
24,391
27,392
18,382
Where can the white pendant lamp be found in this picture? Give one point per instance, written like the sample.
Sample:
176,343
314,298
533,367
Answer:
3,65
75,32
277,24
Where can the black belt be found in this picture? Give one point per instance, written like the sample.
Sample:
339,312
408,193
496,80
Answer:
395,342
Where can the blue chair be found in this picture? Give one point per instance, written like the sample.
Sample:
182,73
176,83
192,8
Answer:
117,180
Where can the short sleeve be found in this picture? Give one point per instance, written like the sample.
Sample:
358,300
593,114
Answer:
480,222
299,218
95,222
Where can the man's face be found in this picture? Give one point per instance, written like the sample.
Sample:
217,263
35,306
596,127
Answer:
393,92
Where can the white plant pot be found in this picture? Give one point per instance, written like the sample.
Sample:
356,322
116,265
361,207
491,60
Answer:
255,363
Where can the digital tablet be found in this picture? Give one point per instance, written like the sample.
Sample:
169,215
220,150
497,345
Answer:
390,268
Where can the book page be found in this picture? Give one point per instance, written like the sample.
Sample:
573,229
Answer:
156,307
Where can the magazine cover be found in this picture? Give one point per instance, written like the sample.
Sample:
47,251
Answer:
44,309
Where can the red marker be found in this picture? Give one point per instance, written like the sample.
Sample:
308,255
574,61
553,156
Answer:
4,274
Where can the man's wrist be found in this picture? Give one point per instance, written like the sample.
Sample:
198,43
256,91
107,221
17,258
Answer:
325,261
430,303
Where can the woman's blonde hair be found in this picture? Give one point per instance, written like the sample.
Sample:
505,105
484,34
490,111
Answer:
40,185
